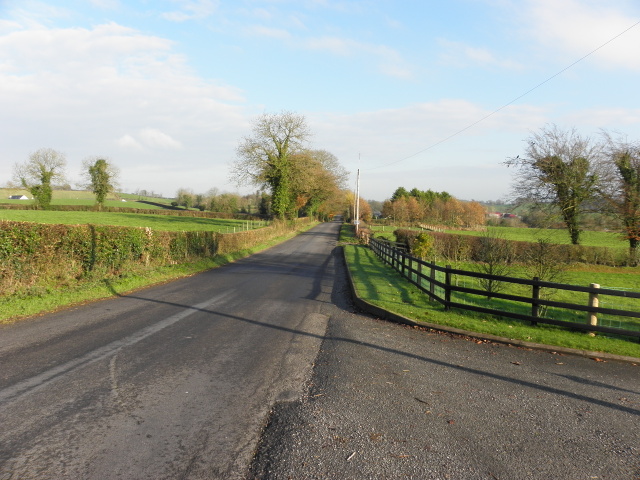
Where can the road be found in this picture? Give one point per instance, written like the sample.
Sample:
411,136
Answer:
180,380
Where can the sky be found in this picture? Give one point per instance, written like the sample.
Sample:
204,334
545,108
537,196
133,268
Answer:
415,93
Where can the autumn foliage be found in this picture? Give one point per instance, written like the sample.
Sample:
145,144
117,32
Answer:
440,208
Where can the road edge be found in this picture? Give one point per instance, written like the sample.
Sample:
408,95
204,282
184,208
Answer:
379,312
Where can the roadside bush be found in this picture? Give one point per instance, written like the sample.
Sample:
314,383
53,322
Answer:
51,256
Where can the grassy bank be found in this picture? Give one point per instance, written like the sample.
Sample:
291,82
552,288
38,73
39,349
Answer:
167,223
44,299
382,286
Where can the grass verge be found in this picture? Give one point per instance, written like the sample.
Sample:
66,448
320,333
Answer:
383,287
17,308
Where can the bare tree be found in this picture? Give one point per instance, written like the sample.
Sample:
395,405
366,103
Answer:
620,187
44,167
558,169
494,257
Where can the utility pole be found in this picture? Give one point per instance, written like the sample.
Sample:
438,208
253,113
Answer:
357,219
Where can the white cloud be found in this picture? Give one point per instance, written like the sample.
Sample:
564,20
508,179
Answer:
127,141
191,10
262,31
388,60
430,145
462,55
105,4
111,90
579,27
156,139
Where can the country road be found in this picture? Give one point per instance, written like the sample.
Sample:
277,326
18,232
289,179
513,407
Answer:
261,369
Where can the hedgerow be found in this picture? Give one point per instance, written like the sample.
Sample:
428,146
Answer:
33,254
468,248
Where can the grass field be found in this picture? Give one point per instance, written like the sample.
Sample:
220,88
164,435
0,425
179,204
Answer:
382,286
557,236
84,197
589,238
155,222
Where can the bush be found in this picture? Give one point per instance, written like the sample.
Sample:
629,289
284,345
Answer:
52,256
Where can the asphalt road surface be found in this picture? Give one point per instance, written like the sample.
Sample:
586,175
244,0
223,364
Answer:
261,369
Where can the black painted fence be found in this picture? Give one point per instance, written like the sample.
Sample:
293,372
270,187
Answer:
442,284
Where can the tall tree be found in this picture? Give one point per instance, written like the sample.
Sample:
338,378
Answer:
38,173
264,157
316,177
101,176
620,188
558,169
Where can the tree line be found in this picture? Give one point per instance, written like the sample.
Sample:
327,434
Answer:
292,178
568,174
417,206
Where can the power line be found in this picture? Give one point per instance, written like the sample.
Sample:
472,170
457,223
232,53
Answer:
446,139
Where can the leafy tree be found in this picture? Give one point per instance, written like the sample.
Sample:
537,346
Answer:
558,169
185,197
39,172
400,192
265,157
620,188
317,178
101,176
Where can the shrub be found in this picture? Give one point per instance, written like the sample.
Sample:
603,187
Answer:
33,254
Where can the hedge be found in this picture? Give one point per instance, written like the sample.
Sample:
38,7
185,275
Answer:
34,254
467,248
147,211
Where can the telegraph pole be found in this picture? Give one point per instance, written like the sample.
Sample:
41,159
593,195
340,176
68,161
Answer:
357,219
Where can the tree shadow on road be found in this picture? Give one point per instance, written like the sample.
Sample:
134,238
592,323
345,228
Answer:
340,295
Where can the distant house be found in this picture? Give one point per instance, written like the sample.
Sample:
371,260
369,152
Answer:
18,197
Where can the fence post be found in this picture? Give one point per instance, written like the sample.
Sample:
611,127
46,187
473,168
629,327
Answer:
404,265
594,301
535,297
447,288
432,286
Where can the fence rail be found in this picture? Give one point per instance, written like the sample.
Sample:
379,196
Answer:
442,284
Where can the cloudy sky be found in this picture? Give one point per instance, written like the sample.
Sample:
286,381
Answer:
430,94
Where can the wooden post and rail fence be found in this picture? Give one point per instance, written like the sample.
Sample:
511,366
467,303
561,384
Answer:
585,317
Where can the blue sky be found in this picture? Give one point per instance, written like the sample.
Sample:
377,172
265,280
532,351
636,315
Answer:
167,88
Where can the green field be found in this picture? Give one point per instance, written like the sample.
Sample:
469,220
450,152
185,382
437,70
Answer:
561,237
84,197
155,222
382,286
557,236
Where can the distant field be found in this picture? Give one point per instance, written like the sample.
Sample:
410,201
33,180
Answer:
84,197
155,222
588,238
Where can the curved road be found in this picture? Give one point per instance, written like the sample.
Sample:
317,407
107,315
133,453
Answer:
179,381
